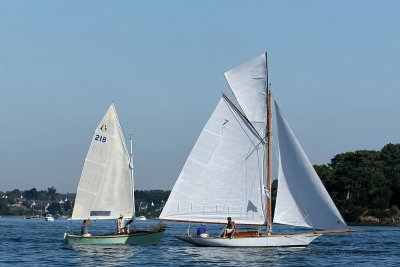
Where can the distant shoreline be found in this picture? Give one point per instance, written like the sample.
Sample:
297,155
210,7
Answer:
348,223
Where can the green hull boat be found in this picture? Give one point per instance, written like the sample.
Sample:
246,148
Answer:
135,238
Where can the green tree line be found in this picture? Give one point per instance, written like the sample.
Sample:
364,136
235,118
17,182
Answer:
364,182
27,202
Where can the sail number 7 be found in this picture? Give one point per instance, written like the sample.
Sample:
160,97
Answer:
100,138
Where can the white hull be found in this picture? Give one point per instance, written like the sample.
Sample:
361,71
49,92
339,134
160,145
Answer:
284,240
49,219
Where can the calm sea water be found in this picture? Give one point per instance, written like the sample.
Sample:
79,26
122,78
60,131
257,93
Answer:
40,243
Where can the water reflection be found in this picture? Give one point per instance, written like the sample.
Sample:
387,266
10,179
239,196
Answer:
232,256
104,255
40,243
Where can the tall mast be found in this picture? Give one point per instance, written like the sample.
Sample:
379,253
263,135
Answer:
269,132
132,182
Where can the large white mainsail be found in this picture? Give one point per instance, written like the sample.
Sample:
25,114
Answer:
302,183
105,186
223,174
249,83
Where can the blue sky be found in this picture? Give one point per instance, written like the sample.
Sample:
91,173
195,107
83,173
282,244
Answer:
333,67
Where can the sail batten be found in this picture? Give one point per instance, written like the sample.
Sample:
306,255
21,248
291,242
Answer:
302,199
221,177
105,186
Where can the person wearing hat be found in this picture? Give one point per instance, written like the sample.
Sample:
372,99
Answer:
230,228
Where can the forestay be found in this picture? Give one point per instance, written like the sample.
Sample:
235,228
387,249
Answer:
223,174
302,186
249,83
105,186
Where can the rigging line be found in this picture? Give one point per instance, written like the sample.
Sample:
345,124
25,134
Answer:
267,85
266,72
140,169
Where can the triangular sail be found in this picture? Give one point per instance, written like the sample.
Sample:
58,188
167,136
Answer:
105,186
223,174
249,83
309,194
286,210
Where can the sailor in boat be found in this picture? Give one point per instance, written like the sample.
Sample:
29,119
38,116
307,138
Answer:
121,225
202,231
230,228
127,230
84,228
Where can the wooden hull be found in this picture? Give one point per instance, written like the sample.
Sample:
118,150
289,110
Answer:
136,238
284,240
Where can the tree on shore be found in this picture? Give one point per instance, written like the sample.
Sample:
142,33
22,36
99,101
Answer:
363,180
4,209
54,208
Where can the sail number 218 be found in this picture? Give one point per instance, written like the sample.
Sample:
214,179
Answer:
100,138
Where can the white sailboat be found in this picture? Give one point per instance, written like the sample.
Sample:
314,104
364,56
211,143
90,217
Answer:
106,187
49,218
228,172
